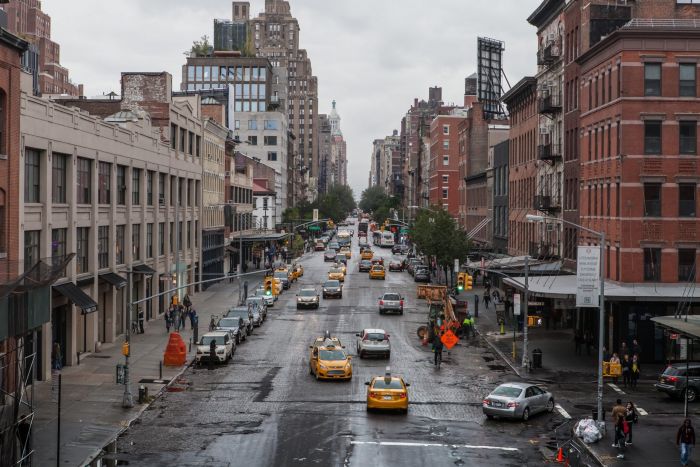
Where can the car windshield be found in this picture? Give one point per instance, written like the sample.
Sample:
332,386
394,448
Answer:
238,314
335,270
391,296
307,293
381,383
331,355
365,262
375,336
229,322
377,268
281,275
206,340
331,284
507,391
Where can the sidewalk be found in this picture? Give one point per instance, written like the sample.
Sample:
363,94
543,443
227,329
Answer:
91,410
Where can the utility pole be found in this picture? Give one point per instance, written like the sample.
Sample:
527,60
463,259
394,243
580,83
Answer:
128,398
177,238
525,305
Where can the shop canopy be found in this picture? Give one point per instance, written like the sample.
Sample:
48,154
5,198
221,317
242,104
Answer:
679,325
76,295
114,279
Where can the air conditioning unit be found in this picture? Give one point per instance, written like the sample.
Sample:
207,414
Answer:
550,227
544,130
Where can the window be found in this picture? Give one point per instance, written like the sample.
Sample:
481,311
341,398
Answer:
272,156
59,178
103,246
270,140
119,244
136,242
652,137
253,140
446,129
652,199
686,199
237,125
183,139
173,136
190,144
149,187
445,160
32,184
161,189
31,248
136,186
271,125
84,172
252,124
686,265
445,179
444,193
652,79
687,79
652,264
121,185
149,240
82,253
58,242
161,238
104,183
446,144
189,236
687,143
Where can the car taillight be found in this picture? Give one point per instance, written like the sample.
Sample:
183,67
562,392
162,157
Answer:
672,379
366,338
486,402
402,395
386,337
512,404
381,302
374,394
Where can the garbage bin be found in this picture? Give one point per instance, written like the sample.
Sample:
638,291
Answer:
143,394
537,358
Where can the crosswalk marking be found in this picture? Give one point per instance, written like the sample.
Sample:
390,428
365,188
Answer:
561,410
414,444
642,411
618,390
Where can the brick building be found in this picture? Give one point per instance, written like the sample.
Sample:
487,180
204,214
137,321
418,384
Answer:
444,161
522,170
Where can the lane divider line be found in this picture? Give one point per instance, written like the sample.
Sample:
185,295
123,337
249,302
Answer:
561,410
414,444
618,390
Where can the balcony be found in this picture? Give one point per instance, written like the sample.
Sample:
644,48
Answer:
546,203
550,103
549,152
549,54
543,251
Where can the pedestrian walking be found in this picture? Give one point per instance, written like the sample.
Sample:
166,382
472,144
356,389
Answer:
620,425
212,353
437,348
487,299
626,377
631,417
56,356
167,321
466,324
578,342
614,360
634,371
193,318
186,301
141,320
183,317
636,348
685,438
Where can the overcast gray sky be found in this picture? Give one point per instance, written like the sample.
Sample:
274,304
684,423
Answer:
372,56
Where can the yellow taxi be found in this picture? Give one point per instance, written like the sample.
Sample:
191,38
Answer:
346,250
342,267
336,274
377,272
329,361
387,393
367,254
299,269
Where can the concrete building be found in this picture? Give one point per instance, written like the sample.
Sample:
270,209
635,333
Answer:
444,177
120,192
25,18
276,37
324,153
384,165
521,101
240,197
339,149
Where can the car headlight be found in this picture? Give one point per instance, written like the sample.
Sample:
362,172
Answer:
322,366
325,290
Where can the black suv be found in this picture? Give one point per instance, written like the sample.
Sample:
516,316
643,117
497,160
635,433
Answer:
672,381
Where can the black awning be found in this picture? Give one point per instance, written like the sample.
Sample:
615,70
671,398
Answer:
143,269
115,279
75,294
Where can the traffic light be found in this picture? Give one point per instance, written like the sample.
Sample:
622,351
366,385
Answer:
469,282
460,281
268,285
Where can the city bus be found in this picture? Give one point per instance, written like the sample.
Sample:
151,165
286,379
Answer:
383,239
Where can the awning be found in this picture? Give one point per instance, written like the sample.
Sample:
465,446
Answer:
76,295
115,279
690,328
143,269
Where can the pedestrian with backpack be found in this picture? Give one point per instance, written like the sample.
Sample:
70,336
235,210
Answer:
685,438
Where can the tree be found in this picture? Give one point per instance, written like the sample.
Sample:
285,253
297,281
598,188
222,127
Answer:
202,47
373,198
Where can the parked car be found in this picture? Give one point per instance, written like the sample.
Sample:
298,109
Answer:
399,249
395,265
373,342
320,246
390,302
235,326
224,347
412,263
246,314
421,275
269,299
258,302
332,288
365,265
308,298
672,381
517,400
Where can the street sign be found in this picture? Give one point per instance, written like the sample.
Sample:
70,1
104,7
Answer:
456,265
588,277
449,339
314,228
315,218
673,337
404,230
516,304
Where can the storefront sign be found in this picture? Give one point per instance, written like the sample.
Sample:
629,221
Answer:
588,277
673,337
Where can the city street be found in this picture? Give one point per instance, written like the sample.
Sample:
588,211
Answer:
265,409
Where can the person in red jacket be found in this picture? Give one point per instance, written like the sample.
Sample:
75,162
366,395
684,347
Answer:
686,440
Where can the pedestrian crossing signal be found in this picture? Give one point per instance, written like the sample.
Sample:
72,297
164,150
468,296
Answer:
469,282
460,281
268,285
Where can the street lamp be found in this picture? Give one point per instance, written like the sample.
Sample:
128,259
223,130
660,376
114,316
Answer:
601,299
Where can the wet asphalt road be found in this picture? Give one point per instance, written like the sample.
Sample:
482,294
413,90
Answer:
264,409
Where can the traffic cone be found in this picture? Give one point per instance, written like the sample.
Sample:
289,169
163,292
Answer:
560,456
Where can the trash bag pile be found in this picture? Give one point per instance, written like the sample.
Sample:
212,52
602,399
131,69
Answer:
588,430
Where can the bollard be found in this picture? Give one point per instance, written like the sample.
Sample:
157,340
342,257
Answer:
160,369
190,347
503,330
78,358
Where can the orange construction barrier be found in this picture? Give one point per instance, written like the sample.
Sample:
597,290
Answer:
560,456
176,351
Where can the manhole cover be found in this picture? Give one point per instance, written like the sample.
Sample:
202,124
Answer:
154,381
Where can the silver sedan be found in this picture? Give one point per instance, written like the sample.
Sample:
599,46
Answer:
517,400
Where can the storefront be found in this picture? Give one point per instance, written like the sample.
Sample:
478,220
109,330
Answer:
680,337
66,327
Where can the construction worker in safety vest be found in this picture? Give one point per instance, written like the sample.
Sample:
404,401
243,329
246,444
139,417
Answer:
468,324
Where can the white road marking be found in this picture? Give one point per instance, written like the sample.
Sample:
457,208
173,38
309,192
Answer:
619,391
642,411
561,410
413,444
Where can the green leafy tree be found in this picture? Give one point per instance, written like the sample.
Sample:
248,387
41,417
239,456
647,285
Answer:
373,198
202,47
